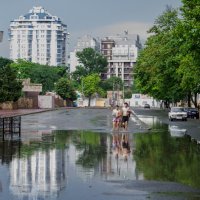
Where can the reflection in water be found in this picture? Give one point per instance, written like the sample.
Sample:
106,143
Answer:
162,157
38,176
8,149
175,131
41,168
122,162
153,121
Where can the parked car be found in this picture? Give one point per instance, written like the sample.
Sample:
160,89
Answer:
146,105
192,113
177,113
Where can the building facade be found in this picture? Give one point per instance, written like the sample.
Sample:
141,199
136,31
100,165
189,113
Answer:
38,37
84,42
106,47
121,52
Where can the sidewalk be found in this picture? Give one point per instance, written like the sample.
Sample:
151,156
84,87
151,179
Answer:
20,112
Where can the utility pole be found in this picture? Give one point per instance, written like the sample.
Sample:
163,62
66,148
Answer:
113,95
123,91
82,87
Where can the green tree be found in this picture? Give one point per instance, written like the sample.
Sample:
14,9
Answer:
91,86
65,89
156,70
10,87
91,62
188,32
43,74
112,83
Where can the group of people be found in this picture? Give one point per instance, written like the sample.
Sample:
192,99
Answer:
121,117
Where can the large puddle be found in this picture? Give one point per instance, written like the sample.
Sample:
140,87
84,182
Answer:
52,163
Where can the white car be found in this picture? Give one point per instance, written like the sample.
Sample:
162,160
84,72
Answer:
177,113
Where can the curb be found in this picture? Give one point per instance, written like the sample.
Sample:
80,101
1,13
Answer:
46,110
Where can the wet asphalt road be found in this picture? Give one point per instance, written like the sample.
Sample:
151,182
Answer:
100,120
76,119
191,125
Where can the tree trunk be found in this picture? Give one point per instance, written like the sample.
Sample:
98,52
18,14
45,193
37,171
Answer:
189,99
89,100
194,100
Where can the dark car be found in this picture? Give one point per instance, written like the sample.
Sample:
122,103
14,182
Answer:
192,113
146,105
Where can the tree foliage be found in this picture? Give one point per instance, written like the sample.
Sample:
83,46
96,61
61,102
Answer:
112,83
43,74
10,87
189,36
91,86
156,70
65,89
91,62
168,68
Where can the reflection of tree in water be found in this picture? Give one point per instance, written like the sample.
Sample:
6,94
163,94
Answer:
13,148
92,147
8,150
56,139
161,157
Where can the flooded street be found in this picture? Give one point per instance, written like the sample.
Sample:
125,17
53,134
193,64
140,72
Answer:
78,157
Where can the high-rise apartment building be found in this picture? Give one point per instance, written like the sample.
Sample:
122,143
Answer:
85,41
38,37
121,52
106,47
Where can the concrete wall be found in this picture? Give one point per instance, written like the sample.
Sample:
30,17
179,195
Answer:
9,105
59,102
138,100
25,103
99,102
45,101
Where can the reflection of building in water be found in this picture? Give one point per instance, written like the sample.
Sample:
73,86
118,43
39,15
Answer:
116,168
108,168
39,176
83,173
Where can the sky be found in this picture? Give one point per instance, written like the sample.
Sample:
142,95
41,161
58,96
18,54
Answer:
98,18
